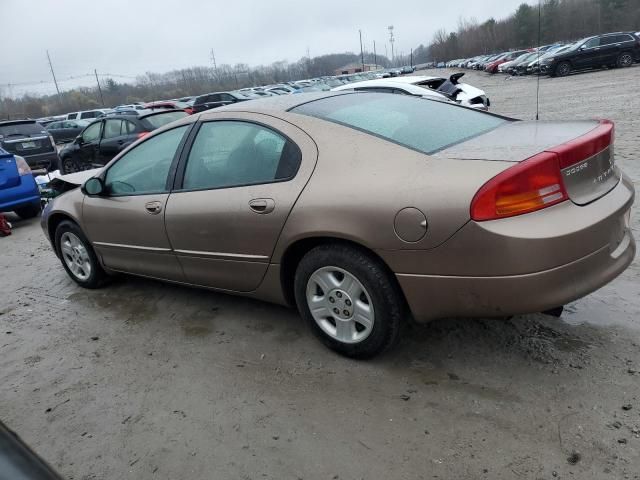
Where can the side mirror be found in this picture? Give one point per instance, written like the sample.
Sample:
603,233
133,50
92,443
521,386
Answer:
93,186
78,140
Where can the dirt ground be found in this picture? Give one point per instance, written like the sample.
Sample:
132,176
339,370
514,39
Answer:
143,380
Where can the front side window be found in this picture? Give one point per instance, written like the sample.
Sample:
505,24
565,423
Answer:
92,132
232,153
594,42
417,123
145,168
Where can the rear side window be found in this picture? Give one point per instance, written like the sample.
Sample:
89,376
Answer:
231,153
420,124
89,114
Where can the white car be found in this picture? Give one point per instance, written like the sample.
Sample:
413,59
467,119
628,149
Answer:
88,114
451,89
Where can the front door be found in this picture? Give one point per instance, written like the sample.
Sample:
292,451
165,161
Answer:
234,193
116,136
126,223
589,54
88,145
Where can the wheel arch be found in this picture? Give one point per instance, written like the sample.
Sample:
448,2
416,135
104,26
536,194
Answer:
54,220
298,249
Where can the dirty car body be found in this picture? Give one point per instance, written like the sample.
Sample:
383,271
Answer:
359,208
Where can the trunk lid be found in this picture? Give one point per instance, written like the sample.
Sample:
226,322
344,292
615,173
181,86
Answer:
9,176
584,150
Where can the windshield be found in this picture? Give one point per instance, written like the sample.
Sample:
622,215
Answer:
160,119
423,125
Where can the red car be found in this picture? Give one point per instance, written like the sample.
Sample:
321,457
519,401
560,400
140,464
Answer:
169,104
507,57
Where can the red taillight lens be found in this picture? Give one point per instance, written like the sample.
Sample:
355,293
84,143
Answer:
189,110
143,134
585,146
531,185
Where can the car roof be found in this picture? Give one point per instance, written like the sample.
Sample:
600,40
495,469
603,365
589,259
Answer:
16,122
160,112
280,103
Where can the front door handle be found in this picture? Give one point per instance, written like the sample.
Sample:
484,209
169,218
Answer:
153,208
262,205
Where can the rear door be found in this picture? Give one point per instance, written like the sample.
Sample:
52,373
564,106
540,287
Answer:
233,194
126,224
117,135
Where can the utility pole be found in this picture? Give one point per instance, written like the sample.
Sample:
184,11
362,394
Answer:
361,51
213,59
411,57
53,74
391,40
99,87
375,56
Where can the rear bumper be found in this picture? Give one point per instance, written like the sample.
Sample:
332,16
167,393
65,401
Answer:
26,193
517,294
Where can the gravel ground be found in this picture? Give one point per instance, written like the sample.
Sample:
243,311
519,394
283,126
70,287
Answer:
143,380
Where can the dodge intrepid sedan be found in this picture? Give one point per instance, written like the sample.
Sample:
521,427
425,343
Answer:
363,210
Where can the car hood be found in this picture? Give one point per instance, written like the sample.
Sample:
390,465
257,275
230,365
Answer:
73,180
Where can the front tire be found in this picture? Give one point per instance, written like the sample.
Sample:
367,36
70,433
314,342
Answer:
624,60
29,211
77,256
563,69
69,165
351,302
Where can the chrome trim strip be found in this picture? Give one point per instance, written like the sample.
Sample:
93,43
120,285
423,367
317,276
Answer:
132,247
235,256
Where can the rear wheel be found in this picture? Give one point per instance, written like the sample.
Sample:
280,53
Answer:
77,256
624,60
563,69
349,300
29,211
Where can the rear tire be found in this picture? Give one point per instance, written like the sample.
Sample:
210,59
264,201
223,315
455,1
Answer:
358,308
77,256
555,312
624,60
30,211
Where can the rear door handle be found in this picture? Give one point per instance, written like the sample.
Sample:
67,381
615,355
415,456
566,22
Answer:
153,208
262,205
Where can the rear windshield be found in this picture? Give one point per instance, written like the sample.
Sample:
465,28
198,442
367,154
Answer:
162,119
417,123
15,129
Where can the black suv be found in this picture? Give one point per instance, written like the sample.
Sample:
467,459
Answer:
218,99
105,138
619,49
31,141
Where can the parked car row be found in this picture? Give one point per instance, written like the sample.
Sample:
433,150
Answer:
619,49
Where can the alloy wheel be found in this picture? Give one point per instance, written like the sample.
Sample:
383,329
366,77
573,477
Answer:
340,305
625,60
75,256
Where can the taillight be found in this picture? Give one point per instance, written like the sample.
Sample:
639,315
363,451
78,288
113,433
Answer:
189,110
531,185
585,146
143,134
537,182
23,166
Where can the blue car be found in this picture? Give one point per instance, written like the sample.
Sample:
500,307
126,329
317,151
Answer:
19,192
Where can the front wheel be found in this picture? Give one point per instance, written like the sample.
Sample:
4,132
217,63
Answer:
624,60
563,69
349,299
69,165
77,256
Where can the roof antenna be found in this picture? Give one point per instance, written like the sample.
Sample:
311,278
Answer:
539,40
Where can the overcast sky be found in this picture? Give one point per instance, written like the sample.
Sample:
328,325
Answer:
127,37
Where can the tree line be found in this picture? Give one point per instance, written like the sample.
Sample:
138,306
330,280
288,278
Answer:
554,21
